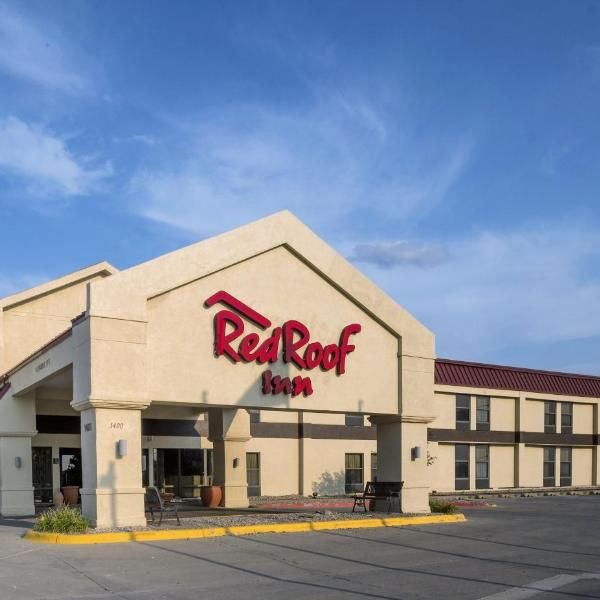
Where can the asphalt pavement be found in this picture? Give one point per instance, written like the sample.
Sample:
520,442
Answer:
543,548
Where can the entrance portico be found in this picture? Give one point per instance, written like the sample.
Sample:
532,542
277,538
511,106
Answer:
264,317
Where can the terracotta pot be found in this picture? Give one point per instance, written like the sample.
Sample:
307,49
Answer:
58,498
71,494
211,495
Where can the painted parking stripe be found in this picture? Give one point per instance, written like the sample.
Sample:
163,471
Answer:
539,587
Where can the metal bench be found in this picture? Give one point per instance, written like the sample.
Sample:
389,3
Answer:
154,501
378,490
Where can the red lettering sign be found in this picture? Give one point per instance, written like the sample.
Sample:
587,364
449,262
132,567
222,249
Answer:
293,337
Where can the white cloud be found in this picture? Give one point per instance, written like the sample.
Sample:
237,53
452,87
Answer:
38,55
532,286
392,254
44,161
321,163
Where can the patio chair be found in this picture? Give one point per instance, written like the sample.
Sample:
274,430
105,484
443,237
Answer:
154,501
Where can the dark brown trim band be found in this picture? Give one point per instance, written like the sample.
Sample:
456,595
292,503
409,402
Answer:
312,430
512,437
70,424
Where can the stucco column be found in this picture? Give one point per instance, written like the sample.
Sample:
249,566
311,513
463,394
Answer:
111,458
229,430
17,427
519,447
397,461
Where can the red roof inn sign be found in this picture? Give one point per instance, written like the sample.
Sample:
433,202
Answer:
293,337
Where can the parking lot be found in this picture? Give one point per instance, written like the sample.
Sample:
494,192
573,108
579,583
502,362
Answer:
545,547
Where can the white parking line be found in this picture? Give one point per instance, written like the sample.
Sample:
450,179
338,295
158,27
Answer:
530,590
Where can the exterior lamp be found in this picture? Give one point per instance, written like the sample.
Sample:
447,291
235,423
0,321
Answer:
122,448
415,452
18,462
236,463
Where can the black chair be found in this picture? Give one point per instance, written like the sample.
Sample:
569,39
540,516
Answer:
154,501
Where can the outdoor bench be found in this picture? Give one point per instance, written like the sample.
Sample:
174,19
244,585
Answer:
378,490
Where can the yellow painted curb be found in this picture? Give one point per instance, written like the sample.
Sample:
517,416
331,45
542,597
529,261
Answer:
190,534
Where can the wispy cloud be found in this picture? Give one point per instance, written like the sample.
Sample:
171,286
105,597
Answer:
529,286
321,162
44,162
34,53
405,253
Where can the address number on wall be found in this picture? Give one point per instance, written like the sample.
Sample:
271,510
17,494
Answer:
115,425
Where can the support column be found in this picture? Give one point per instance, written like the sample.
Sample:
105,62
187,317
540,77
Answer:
111,457
229,430
17,427
397,461
519,447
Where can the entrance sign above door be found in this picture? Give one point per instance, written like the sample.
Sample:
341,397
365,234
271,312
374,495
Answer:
293,338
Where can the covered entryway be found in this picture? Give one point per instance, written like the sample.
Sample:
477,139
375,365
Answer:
264,317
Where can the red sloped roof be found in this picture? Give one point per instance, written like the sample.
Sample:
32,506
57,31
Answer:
468,374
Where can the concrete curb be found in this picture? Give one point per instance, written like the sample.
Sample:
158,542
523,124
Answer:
190,534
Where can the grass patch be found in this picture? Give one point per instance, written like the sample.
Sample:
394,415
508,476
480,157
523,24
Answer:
64,519
441,506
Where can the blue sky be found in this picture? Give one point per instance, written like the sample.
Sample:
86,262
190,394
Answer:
451,150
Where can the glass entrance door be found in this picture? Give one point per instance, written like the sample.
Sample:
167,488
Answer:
182,471
70,466
41,458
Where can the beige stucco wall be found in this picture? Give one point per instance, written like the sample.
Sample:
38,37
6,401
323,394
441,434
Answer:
182,366
29,319
441,472
532,418
583,418
278,465
444,409
502,468
502,414
532,463
582,466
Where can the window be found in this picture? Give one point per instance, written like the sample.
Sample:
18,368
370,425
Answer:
549,467
253,473
373,466
254,415
461,466
354,473
549,417
566,417
483,413
355,421
463,411
565,466
482,467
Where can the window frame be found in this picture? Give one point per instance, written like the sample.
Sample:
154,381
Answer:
463,424
373,462
253,488
463,482
483,425
352,420
353,487
568,428
567,479
482,483
549,416
549,480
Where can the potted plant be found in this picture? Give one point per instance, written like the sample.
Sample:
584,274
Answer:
211,495
72,477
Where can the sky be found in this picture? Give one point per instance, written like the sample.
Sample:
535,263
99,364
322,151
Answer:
450,150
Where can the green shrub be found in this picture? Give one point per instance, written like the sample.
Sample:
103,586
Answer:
63,519
441,506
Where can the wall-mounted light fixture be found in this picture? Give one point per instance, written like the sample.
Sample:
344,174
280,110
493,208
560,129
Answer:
415,452
236,463
18,462
122,448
